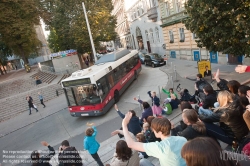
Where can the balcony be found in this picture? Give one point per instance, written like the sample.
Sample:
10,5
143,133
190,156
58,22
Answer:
152,13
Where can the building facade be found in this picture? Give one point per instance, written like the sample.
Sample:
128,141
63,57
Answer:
144,23
122,28
180,42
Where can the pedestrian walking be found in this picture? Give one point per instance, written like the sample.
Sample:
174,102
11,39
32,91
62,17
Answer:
41,99
91,144
31,105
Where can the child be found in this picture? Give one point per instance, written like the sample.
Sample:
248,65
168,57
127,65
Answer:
41,99
157,110
146,131
140,138
91,144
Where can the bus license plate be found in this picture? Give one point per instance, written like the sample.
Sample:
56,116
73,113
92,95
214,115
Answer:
84,114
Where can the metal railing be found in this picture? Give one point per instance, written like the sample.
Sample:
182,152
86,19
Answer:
69,69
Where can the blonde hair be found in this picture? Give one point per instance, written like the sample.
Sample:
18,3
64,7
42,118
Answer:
224,98
153,92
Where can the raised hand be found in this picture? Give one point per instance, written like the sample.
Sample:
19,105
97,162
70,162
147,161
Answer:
44,143
115,132
135,99
240,68
116,107
90,124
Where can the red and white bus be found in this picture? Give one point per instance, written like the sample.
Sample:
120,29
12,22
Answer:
92,91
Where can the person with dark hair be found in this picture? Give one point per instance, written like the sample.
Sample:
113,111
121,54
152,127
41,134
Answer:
242,90
31,104
68,155
196,152
233,86
207,72
244,102
232,127
124,156
141,138
182,126
38,160
209,101
167,151
147,110
134,123
151,137
195,128
91,144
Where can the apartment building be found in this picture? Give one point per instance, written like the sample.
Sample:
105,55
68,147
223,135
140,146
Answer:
180,42
144,23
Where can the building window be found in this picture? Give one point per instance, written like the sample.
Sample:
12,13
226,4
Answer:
194,36
157,34
167,9
138,11
171,36
182,34
147,38
135,15
178,5
152,35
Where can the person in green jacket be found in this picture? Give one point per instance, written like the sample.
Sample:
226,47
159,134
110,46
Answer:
173,96
170,92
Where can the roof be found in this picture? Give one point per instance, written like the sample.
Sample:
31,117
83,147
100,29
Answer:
114,56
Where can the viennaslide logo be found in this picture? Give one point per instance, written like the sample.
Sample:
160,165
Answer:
233,156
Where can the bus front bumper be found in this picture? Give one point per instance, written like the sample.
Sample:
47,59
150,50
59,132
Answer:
90,113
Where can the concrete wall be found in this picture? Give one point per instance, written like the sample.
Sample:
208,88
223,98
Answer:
69,64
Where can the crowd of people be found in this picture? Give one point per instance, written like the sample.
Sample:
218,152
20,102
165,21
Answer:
221,116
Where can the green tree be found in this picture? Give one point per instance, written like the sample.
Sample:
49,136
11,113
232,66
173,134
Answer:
70,25
220,25
53,41
17,20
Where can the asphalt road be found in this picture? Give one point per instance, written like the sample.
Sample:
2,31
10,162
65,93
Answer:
61,126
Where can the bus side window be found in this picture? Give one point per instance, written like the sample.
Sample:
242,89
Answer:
103,86
116,74
111,80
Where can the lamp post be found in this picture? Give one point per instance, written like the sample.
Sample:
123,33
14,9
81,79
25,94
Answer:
90,34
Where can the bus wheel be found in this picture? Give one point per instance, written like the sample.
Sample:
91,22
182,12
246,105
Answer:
135,75
116,96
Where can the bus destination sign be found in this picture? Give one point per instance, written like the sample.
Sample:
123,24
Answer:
76,82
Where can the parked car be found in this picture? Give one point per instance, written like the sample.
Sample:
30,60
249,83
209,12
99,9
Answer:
154,59
141,56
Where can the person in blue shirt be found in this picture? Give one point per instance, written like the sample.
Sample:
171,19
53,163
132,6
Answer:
91,144
168,151
41,99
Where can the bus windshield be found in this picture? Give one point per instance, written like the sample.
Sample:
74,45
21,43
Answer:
83,95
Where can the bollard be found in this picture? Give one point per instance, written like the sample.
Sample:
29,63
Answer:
175,75
174,67
171,65
139,103
172,82
159,89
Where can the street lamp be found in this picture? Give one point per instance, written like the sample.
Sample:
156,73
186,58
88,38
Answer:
90,34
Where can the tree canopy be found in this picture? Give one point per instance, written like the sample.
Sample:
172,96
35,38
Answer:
220,25
17,21
69,29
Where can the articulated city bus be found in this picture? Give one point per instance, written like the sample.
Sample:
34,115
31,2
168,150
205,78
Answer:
92,91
